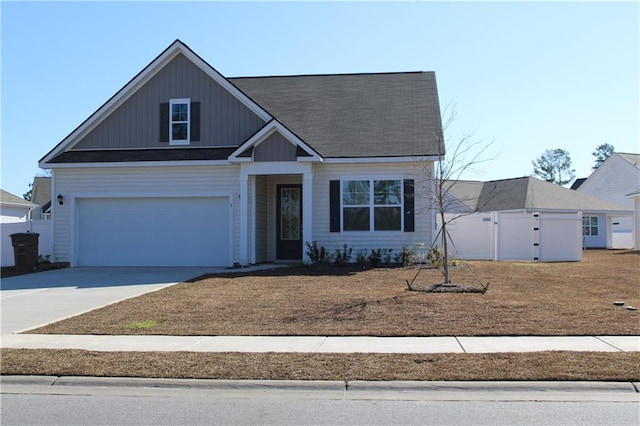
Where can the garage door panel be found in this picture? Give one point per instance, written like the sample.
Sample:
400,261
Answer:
153,232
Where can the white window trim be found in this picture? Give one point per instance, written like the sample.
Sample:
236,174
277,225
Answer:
372,204
188,122
590,226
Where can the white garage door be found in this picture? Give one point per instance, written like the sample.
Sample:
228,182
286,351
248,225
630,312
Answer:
153,231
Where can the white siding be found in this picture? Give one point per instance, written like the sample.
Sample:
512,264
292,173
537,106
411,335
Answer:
613,181
138,182
394,240
9,214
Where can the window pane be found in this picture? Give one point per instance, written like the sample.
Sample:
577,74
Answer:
355,218
179,131
179,112
290,214
594,220
594,230
387,218
355,192
387,192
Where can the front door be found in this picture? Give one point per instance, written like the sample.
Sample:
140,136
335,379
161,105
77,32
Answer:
289,222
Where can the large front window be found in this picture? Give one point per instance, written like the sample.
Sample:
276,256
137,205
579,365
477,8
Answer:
590,225
179,112
371,205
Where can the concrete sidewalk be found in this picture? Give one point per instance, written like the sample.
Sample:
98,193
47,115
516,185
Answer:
324,344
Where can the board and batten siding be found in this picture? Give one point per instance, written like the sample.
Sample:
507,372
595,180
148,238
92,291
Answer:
275,148
139,183
367,240
224,121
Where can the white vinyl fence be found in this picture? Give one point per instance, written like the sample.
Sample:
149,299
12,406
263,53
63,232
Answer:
516,236
45,239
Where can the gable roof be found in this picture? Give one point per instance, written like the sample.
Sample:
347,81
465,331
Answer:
526,193
9,199
355,115
631,158
41,190
176,48
337,115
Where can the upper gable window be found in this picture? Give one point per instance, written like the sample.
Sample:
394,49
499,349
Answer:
179,125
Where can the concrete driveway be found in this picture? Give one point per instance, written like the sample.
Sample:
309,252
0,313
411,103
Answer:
33,300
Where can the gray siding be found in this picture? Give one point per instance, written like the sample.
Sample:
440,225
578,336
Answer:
275,148
224,120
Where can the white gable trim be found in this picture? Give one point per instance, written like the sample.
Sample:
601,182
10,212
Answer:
613,158
137,82
262,135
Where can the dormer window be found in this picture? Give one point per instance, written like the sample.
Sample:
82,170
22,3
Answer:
179,126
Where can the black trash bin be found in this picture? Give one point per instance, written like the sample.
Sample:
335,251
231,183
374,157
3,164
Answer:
25,250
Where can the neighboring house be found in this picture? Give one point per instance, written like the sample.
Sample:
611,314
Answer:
612,181
14,208
41,195
557,221
635,196
184,166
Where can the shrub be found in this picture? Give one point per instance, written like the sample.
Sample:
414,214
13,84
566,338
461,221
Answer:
376,257
342,257
406,256
316,254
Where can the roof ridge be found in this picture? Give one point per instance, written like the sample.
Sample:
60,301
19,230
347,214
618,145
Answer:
333,74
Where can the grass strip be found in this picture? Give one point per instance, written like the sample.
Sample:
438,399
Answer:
560,365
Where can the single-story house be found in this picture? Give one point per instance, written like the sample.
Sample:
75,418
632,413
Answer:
184,166
14,208
612,181
524,219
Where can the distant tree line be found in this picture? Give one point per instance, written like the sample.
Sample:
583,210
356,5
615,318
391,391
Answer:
554,165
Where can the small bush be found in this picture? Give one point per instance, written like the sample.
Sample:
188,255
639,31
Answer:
434,257
377,256
406,256
361,258
342,257
317,254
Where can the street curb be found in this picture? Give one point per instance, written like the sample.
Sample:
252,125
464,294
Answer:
318,385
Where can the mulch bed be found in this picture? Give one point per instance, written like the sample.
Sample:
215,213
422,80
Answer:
11,271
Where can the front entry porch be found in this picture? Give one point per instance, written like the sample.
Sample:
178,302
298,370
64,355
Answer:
275,211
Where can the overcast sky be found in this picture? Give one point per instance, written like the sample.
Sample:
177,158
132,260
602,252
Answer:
525,76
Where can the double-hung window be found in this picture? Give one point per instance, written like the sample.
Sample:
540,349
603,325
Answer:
372,205
590,225
179,115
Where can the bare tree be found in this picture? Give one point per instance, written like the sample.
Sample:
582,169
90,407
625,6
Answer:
454,160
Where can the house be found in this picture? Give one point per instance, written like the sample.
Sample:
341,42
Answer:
612,181
14,208
185,167
523,219
41,196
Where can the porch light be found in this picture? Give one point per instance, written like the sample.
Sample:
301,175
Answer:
60,199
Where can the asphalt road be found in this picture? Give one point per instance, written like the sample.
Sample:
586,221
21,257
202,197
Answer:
193,408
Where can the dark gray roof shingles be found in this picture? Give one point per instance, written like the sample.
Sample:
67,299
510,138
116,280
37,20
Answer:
355,115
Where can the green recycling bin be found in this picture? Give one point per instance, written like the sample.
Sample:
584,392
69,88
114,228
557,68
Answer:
25,250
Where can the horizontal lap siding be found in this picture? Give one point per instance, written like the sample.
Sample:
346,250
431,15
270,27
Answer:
160,181
394,240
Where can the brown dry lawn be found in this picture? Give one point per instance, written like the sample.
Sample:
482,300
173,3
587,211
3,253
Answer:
609,366
524,298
